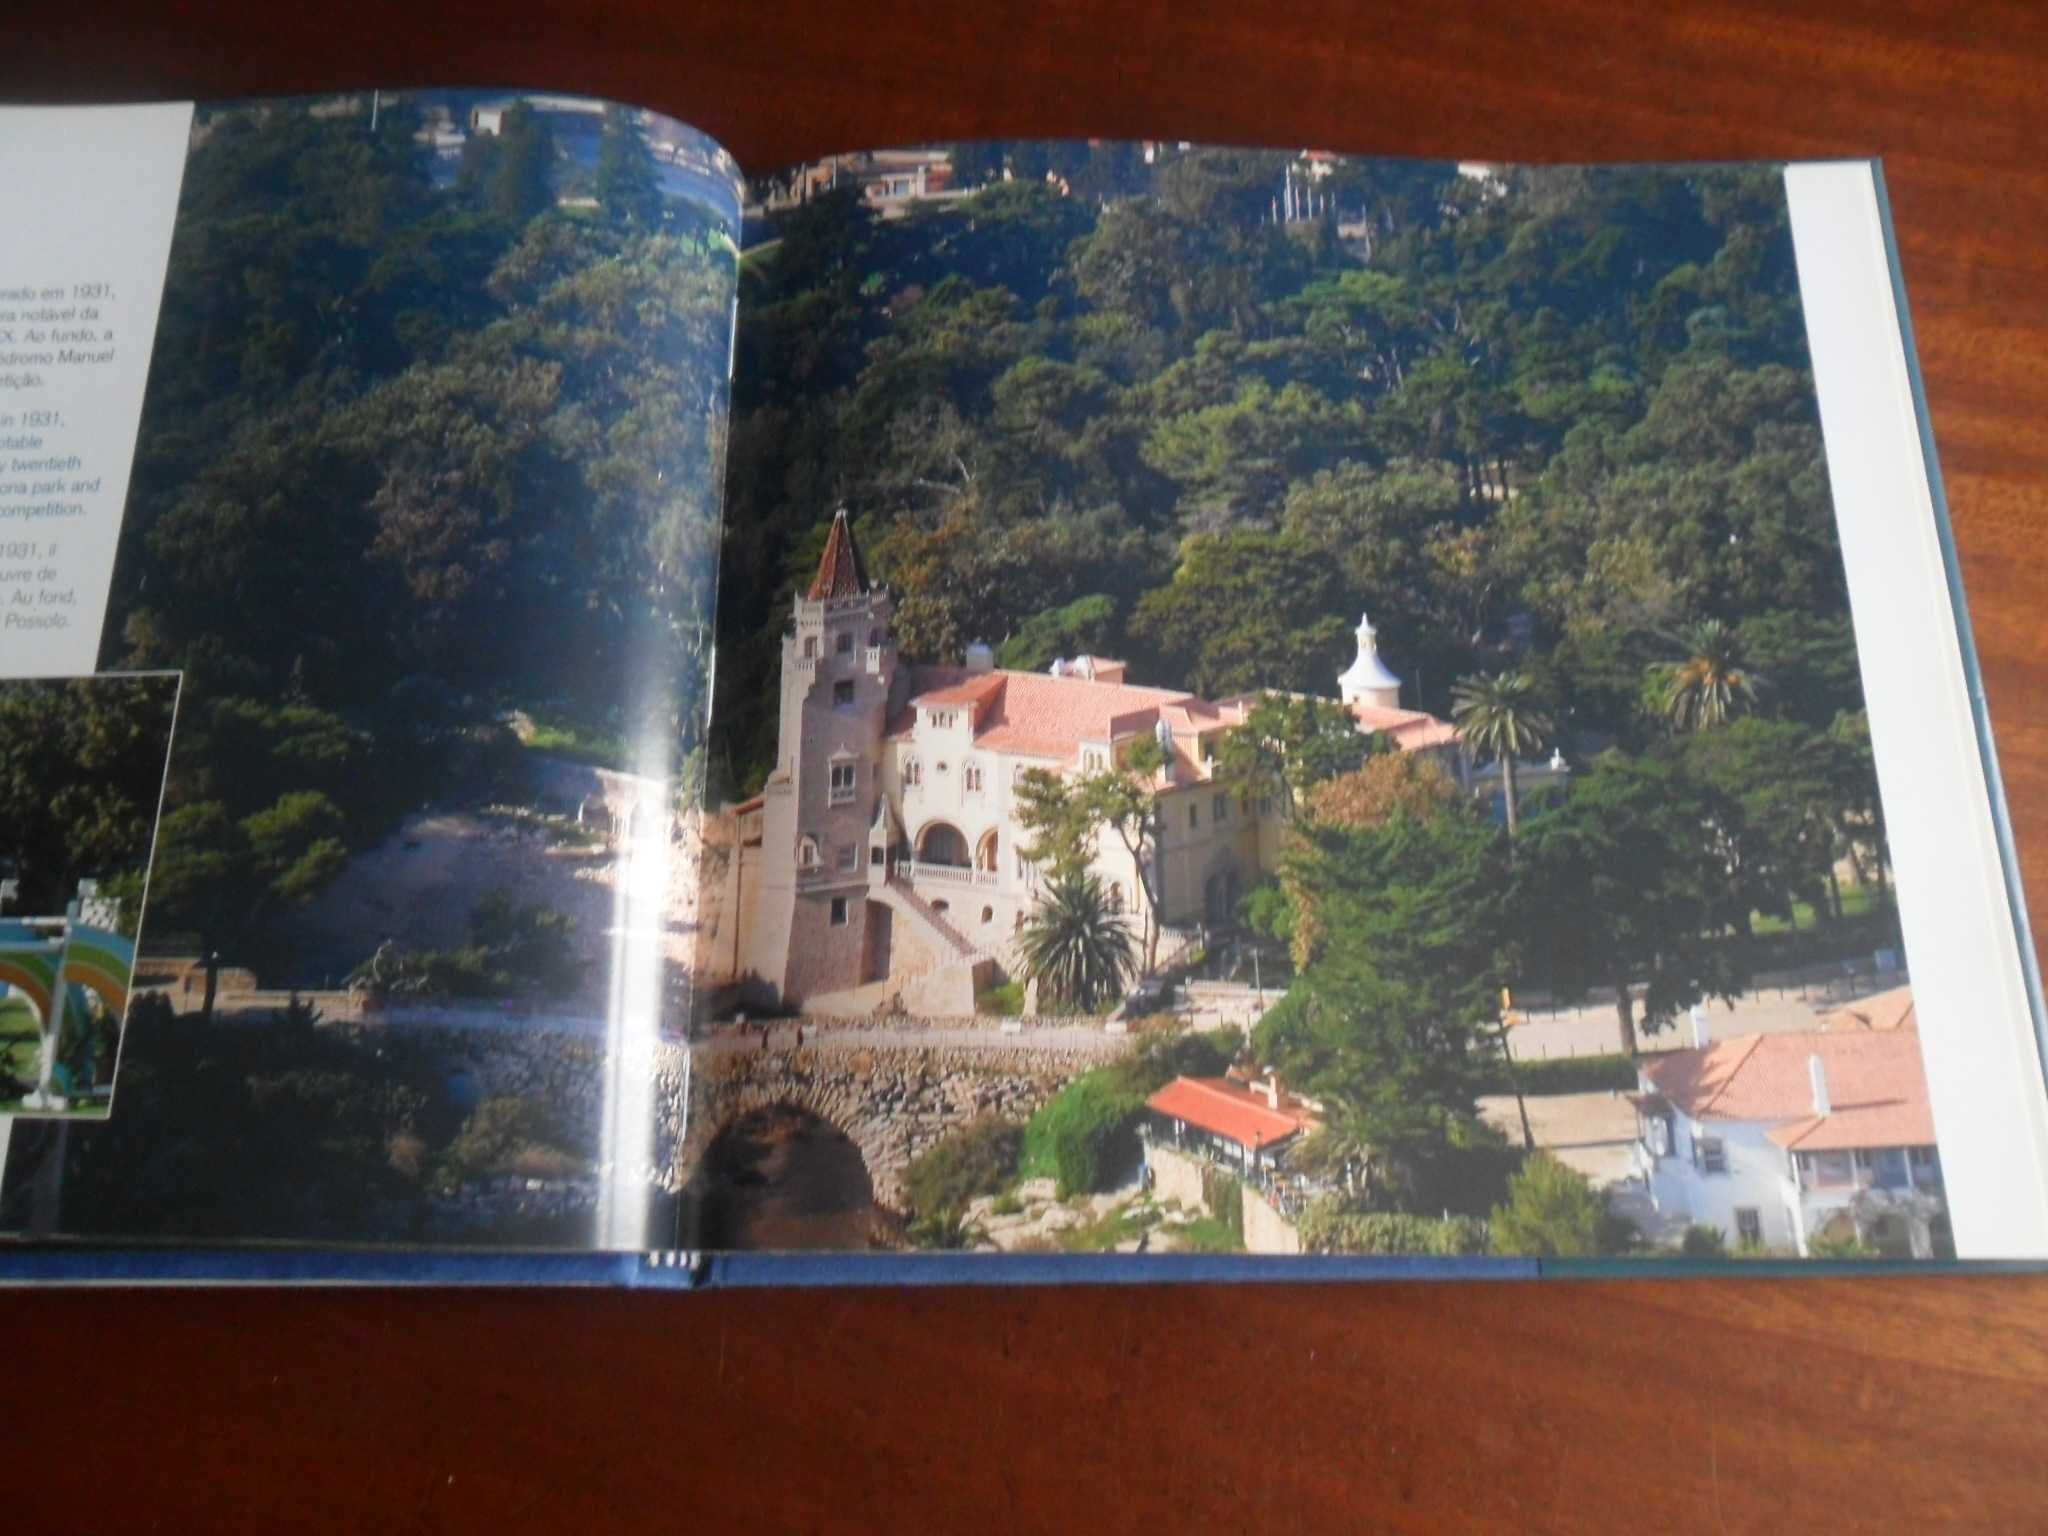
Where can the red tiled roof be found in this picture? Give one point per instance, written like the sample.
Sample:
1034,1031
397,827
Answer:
1411,729
1860,1125
1034,714
973,691
1876,1084
840,572
1230,1109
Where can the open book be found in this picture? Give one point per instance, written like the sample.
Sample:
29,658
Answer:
565,709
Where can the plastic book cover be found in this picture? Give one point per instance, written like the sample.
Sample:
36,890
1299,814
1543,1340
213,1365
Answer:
999,711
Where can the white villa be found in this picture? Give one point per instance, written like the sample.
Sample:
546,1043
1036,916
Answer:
1777,1138
883,857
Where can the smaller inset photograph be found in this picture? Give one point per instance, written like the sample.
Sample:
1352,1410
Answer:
82,763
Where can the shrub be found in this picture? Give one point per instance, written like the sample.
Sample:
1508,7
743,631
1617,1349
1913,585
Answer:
978,1158
1326,1227
947,1230
1085,1134
1208,1234
1704,1243
1223,1194
1162,1056
1005,1000
1562,1074
1552,1212
1006,1204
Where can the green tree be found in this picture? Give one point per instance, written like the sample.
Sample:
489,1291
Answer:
1499,715
628,185
1622,883
1059,822
1390,1015
1246,611
521,182
1772,799
1124,798
978,1158
1552,1212
81,772
1289,744
1080,628
219,878
1710,684
1075,947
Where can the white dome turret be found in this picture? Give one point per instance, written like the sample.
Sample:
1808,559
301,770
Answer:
1367,680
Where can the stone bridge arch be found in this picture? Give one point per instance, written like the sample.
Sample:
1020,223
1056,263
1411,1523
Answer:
717,1109
891,1100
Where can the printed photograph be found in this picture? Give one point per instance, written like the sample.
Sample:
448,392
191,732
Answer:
425,506
1285,702
81,778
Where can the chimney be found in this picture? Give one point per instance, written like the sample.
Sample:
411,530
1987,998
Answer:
1819,1074
1272,1089
1701,1035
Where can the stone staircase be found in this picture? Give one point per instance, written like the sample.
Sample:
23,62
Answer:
949,936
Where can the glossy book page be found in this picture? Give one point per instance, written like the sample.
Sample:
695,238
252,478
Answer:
423,510
1284,703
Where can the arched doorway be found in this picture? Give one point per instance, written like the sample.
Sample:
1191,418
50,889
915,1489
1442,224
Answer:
782,1177
985,852
1220,895
942,844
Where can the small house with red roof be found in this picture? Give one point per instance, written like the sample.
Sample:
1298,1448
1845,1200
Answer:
1249,1124
1777,1138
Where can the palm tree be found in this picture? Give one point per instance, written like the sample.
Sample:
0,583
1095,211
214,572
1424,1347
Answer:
1075,947
1498,714
1711,683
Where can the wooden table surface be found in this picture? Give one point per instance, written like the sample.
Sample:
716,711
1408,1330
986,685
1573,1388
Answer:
1734,1405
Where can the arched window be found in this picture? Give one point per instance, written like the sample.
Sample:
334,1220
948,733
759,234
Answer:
970,776
844,645
807,852
913,771
988,914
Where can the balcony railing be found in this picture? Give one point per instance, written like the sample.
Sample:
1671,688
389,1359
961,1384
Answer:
950,874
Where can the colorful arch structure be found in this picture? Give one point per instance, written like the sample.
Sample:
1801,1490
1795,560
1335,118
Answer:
101,961
46,959
31,962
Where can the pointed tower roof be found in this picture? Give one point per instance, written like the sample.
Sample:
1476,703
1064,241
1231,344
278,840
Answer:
841,572
1367,674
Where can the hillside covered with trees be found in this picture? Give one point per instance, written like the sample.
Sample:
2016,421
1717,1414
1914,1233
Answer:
1547,419
424,445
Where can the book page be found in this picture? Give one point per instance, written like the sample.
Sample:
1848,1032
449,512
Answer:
420,510
1285,703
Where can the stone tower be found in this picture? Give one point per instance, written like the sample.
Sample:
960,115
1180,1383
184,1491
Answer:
810,929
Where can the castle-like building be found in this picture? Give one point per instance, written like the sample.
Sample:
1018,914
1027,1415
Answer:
884,856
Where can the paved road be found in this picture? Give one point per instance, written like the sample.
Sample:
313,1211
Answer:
1596,1029
782,1036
